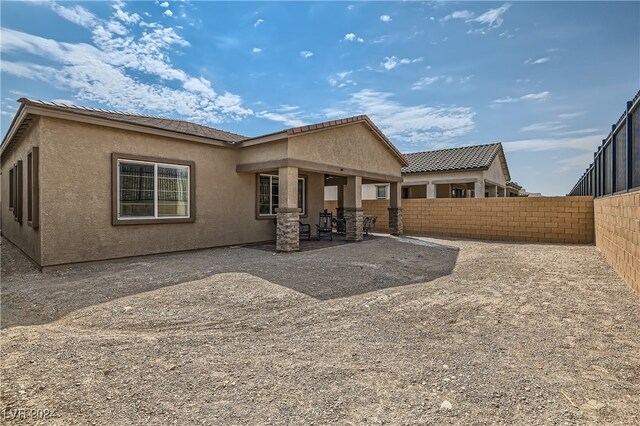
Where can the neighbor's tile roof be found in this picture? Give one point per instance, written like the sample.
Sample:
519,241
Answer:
467,157
161,123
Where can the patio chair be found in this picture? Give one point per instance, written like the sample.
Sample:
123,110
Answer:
324,225
305,230
368,223
340,225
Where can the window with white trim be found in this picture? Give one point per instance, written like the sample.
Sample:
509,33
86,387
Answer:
149,190
268,194
381,192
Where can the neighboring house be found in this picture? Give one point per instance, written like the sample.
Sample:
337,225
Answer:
515,190
466,172
82,184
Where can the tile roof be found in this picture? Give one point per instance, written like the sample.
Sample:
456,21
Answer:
467,157
161,123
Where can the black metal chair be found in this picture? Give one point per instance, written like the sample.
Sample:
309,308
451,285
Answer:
305,230
368,223
324,225
340,225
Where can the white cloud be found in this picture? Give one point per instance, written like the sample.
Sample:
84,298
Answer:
540,96
385,18
306,53
256,50
426,81
100,72
544,127
76,14
492,18
460,14
164,4
168,12
390,62
340,79
353,37
537,61
288,115
585,143
350,7
414,125
578,132
258,22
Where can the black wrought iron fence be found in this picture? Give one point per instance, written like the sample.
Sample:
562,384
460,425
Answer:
616,163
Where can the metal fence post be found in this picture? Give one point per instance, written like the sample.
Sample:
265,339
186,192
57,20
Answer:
629,146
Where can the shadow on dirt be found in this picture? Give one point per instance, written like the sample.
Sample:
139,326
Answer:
333,271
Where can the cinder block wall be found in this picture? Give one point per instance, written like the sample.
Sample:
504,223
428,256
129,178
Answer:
530,219
617,226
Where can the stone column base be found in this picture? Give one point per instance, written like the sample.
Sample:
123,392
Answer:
354,218
287,229
395,220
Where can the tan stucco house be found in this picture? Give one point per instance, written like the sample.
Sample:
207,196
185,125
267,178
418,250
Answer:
466,172
81,184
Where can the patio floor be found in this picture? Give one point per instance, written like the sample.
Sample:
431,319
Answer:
387,331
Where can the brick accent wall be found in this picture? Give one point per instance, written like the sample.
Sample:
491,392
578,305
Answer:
617,228
530,219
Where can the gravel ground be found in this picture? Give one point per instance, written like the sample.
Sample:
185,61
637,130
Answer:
388,331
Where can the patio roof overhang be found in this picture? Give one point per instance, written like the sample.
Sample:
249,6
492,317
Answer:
336,171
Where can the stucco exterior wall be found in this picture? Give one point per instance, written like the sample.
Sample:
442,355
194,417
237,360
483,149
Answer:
495,172
76,196
22,235
352,146
369,192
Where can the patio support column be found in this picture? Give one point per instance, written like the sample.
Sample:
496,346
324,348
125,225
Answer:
288,213
431,190
479,188
340,208
395,209
353,213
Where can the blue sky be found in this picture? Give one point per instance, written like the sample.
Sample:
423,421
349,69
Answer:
545,78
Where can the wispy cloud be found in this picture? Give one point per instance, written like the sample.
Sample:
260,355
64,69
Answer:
544,127
353,37
102,71
585,143
340,79
258,23
492,18
425,82
288,115
390,62
540,96
306,53
256,50
538,61
385,18
415,126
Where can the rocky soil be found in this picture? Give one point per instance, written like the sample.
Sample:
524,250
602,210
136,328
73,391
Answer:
386,331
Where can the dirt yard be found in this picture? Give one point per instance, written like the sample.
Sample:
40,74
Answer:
388,331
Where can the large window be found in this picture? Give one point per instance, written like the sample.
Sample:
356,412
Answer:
268,195
153,191
15,191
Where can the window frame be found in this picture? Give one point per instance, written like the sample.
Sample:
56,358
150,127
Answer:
17,192
259,216
117,158
33,187
378,197
12,188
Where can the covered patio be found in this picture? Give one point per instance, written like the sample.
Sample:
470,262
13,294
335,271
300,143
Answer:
302,161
